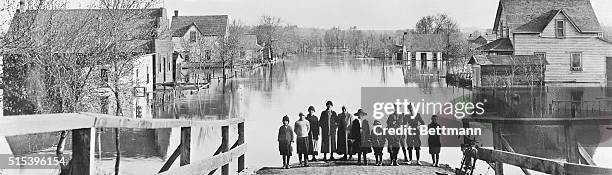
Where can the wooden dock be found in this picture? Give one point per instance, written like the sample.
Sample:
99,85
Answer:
83,128
351,168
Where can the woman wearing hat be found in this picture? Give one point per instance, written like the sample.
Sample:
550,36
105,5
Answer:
314,132
360,134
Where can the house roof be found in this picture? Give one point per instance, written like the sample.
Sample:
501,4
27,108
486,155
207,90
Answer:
183,30
425,42
538,24
519,12
506,60
250,42
71,30
502,44
211,25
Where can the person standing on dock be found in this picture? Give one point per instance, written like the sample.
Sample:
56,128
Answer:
328,131
378,142
285,138
413,141
314,132
302,130
393,141
360,134
433,142
343,120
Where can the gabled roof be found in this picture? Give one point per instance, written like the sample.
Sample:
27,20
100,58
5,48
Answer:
182,31
519,12
62,31
502,44
211,25
425,42
538,24
506,60
250,42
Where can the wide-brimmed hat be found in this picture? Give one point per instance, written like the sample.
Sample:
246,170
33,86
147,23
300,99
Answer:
329,103
360,113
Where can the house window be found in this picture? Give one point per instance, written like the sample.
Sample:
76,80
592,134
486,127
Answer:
435,56
147,74
576,61
541,55
207,54
104,75
192,36
413,56
560,29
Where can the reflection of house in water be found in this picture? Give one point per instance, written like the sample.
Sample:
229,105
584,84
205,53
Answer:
566,34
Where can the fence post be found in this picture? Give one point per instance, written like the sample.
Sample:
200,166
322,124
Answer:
240,142
83,145
497,145
225,147
571,144
185,145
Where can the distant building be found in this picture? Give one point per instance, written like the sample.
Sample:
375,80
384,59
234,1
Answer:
481,39
565,33
420,47
507,70
195,37
250,50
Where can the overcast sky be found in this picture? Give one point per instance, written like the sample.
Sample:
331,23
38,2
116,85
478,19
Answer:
365,14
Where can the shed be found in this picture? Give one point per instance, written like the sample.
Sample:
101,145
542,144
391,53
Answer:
507,70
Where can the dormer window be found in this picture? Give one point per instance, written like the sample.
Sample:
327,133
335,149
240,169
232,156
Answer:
560,28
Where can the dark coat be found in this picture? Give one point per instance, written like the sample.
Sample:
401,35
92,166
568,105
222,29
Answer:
433,140
328,131
314,126
285,133
343,145
360,133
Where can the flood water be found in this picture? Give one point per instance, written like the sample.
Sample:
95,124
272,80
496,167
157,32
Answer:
263,95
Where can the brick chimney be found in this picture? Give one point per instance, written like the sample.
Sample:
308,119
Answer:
175,13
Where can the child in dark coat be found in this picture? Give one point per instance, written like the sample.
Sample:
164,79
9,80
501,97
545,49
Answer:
378,142
285,138
434,142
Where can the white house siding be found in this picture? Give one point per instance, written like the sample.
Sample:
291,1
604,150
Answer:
558,53
163,61
143,76
570,30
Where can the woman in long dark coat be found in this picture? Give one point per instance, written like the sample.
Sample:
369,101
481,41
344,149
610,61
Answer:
341,122
327,122
360,131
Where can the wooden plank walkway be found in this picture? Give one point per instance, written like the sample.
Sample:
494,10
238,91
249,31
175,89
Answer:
350,168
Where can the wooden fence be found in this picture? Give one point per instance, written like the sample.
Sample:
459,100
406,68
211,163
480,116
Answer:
83,127
575,153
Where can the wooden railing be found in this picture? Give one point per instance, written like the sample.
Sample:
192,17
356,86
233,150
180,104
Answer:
575,153
83,127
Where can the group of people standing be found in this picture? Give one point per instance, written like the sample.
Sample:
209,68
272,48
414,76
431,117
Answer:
347,135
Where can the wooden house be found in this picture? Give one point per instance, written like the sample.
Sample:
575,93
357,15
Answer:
481,39
79,34
250,50
507,70
566,33
195,37
420,47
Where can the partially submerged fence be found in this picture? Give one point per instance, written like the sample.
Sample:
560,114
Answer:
575,153
83,127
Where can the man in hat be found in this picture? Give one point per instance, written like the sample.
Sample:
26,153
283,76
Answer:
328,131
314,132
